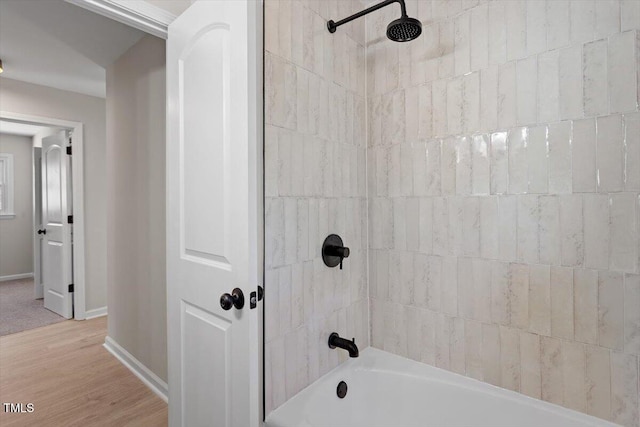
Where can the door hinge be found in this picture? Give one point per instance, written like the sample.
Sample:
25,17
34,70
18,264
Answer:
70,219
71,287
253,301
68,149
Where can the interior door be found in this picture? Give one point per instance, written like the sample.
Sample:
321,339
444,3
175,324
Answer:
57,269
214,214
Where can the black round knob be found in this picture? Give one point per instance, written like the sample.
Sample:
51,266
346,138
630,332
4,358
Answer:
236,299
226,301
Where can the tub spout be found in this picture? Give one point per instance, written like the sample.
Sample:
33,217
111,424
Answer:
350,346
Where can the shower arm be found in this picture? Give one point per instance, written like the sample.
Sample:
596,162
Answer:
331,26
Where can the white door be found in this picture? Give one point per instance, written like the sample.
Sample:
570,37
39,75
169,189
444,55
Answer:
57,269
214,213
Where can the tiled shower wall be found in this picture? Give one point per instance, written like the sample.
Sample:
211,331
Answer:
315,185
504,180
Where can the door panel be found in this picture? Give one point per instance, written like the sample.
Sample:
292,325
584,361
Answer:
214,213
56,243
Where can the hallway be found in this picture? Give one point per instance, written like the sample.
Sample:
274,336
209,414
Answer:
72,380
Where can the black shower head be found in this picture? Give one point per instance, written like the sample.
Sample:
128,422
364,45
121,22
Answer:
404,29
401,30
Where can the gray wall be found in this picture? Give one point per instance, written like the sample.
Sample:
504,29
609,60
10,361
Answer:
504,173
16,234
27,98
136,203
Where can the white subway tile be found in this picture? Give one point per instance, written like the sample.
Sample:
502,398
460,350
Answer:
548,86
447,38
426,225
507,214
439,98
412,223
462,44
457,345
583,16
527,78
480,165
571,230
463,166
559,139
610,310
449,286
500,298
457,240
607,17
482,290
507,100
596,231
425,112
557,24
419,158
549,230
489,98
585,298
479,35
443,335
441,227
499,166
519,296
570,82
536,27
624,389
433,185
530,369
540,300
552,370
629,15
284,293
622,72
516,18
632,314
624,233
632,151
471,102
598,382
448,166
454,107
610,149
491,370
594,68
497,33
538,160
489,224
399,225
527,232
562,302
473,349
574,366
583,156
518,165
509,359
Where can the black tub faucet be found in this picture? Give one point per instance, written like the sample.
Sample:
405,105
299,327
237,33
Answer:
350,346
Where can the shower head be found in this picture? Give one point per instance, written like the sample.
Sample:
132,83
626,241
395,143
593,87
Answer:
403,29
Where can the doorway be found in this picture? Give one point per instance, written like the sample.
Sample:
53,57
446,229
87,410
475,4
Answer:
41,275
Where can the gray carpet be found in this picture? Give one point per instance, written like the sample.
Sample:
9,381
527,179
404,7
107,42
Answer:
19,310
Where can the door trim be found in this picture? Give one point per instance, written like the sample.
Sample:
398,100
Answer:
77,173
134,13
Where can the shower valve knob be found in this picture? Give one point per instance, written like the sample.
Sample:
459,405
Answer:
334,251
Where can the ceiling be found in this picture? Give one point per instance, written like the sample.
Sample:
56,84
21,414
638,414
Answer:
23,129
54,43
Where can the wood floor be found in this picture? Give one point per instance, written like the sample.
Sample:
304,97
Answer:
72,380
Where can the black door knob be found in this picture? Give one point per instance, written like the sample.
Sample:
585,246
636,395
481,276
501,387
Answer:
42,231
235,299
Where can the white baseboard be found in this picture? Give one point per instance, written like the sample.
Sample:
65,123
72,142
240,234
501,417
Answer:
16,277
96,312
150,379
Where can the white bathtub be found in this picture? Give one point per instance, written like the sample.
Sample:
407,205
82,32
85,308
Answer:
385,390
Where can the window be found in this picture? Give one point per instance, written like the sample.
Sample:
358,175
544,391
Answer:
6,185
